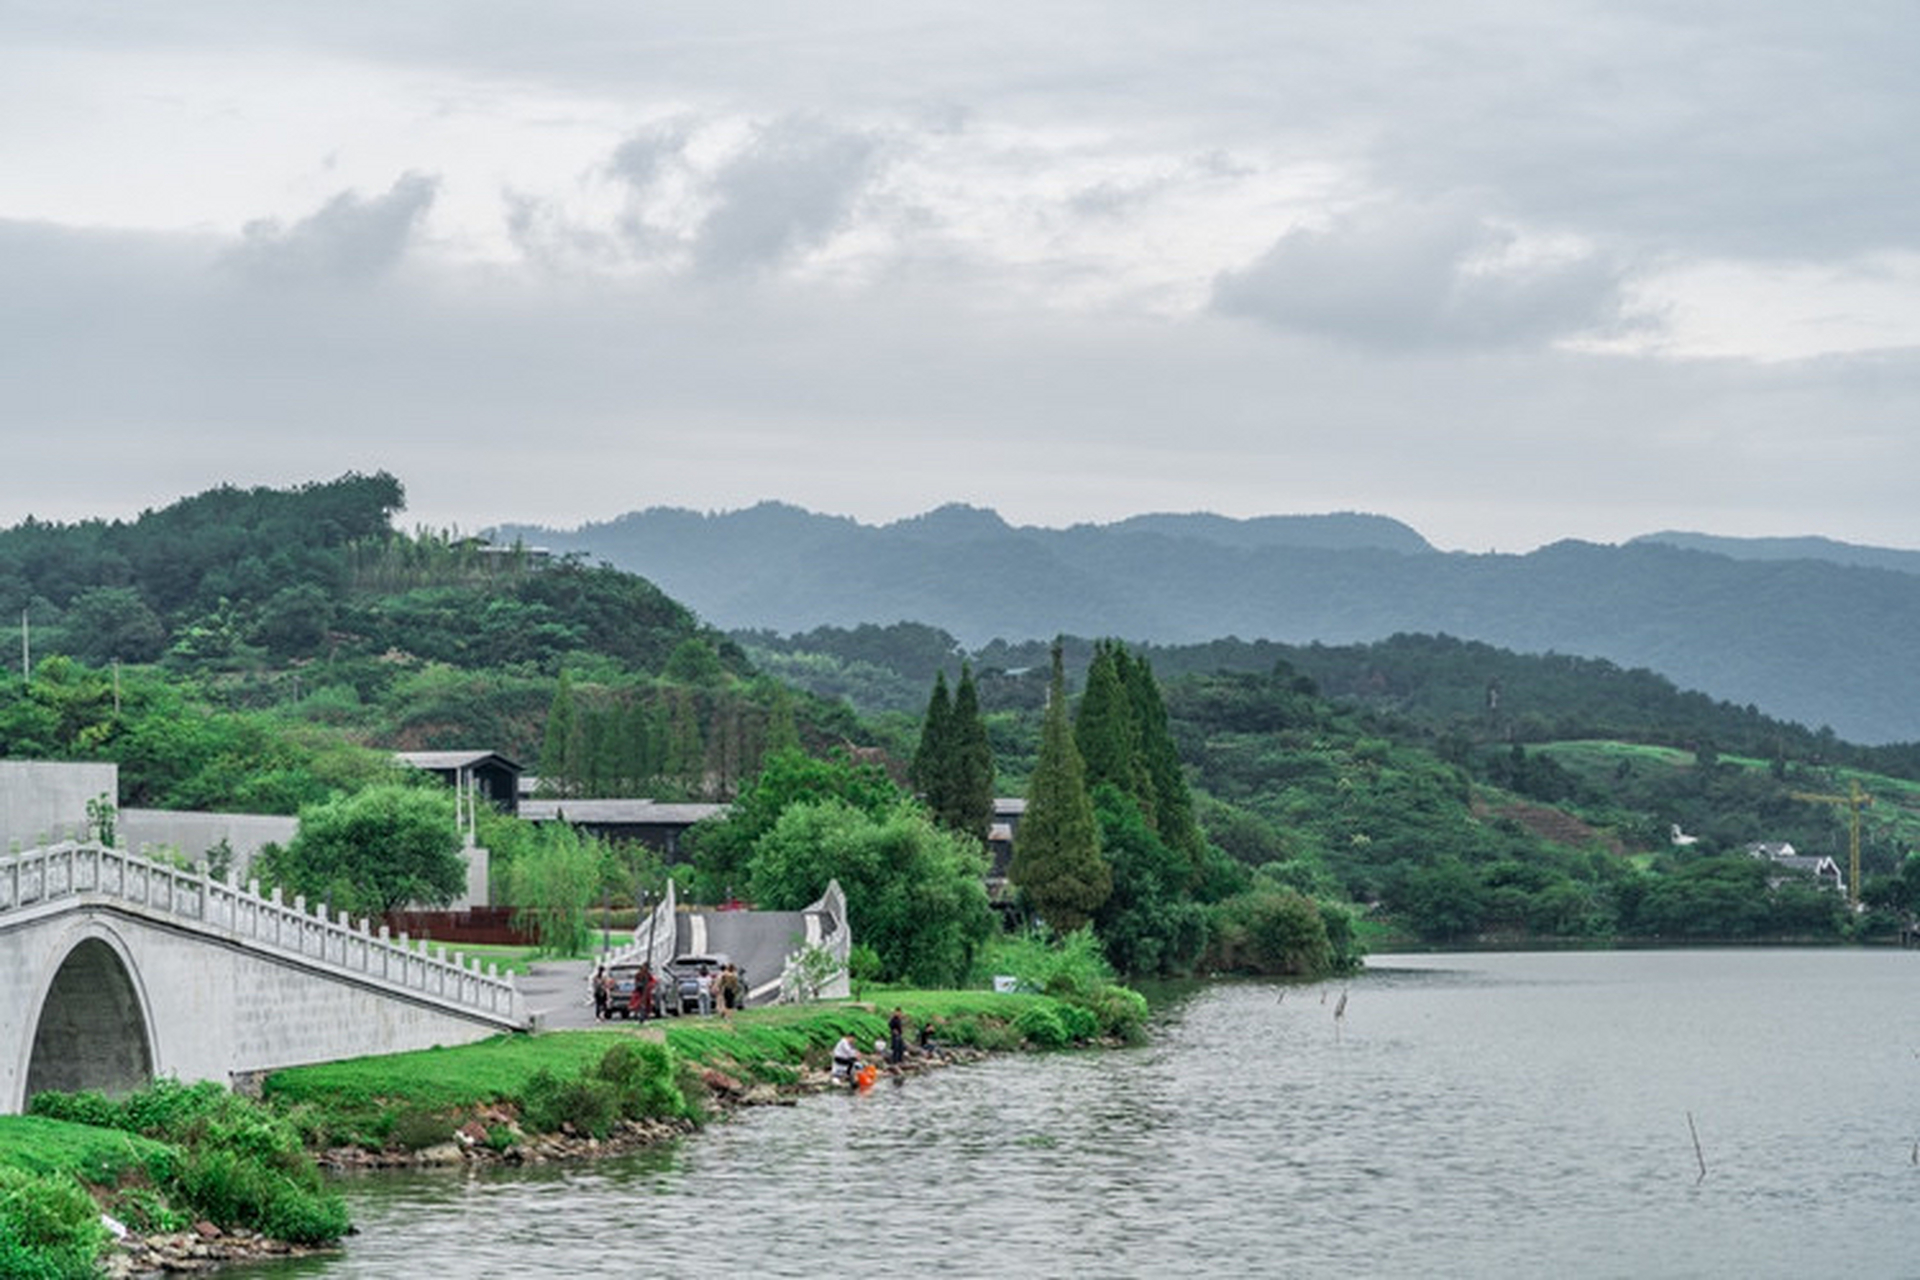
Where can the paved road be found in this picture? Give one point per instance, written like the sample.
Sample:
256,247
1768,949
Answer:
558,994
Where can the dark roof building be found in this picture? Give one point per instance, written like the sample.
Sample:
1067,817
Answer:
651,823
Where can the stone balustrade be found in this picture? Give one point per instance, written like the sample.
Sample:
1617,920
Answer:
95,872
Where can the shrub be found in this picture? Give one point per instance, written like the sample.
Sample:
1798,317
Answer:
144,1210
1040,1025
49,1226
1079,1023
550,1102
415,1129
642,1076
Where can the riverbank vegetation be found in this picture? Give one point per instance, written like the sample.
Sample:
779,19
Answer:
160,1160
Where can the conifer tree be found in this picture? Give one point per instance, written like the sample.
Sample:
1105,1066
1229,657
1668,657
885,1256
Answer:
1056,848
928,771
971,762
1107,730
1171,812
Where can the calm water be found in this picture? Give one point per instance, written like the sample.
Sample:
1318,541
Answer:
1485,1115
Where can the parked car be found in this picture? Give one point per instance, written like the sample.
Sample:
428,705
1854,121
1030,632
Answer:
688,977
620,980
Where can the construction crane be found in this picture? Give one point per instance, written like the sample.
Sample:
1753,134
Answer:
1855,800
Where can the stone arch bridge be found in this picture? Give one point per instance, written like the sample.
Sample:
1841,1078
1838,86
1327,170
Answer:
115,969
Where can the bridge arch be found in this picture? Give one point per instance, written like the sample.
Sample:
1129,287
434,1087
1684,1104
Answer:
93,1029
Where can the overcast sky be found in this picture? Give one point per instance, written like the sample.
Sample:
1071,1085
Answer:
1508,270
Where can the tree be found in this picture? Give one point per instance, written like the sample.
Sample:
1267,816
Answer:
916,893
722,847
374,851
929,769
953,765
109,623
1171,811
1107,732
970,763
1056,849
552,883
559,749
1148,926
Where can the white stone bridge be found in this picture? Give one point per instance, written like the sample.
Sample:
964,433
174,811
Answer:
115,969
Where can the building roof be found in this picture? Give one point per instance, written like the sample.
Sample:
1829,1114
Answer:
620,812
451,759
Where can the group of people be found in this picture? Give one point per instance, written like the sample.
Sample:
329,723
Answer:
715,990
639,1002
847,1067
722,990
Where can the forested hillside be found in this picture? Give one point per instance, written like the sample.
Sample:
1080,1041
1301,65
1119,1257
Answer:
1805,640
268,650
314,625
1465,789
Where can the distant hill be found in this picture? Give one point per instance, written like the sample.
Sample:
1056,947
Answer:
1812,641
1803,548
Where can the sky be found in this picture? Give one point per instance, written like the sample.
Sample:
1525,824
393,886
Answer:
1510,271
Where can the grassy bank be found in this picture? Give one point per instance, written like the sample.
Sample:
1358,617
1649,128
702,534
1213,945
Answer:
592,1080
157,1161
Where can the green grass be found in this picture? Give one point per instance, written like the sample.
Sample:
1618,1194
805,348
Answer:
98,1157
492,1070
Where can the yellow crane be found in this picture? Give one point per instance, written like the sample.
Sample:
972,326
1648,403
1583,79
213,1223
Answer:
1855,800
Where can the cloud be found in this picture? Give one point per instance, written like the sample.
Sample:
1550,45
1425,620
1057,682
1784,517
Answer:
790,188
1423,276
349,238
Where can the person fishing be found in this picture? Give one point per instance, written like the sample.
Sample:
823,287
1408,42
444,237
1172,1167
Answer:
846,1059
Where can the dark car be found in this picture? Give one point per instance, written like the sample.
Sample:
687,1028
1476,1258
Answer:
689,980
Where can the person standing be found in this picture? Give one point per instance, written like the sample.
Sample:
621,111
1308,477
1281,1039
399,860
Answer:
600,994
640,1003
897,1037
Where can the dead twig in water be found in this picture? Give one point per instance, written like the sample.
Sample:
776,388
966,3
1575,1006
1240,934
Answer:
1697,1153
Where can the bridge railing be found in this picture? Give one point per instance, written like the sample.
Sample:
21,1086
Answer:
77,869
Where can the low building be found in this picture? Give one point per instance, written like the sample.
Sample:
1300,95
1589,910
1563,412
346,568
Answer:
1781,855
660,827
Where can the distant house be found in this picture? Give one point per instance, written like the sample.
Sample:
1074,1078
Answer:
658,826
1007,812
486,774
1781,855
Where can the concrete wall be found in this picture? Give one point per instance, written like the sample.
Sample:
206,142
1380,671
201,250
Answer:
192,834
42,799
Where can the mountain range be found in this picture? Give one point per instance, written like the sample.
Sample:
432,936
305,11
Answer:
1806,629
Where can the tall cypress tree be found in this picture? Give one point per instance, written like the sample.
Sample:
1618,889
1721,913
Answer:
971,762
1171,813
930,768
1056,848
1107,730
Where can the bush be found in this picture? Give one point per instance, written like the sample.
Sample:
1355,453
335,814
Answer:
242,1165
589,1105
415,1129
49,1226
1075,966
144,1210
1079,1022
1121,1013
1041,1026
643,1079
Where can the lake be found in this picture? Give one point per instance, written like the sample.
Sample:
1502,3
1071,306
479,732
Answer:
1519,1114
